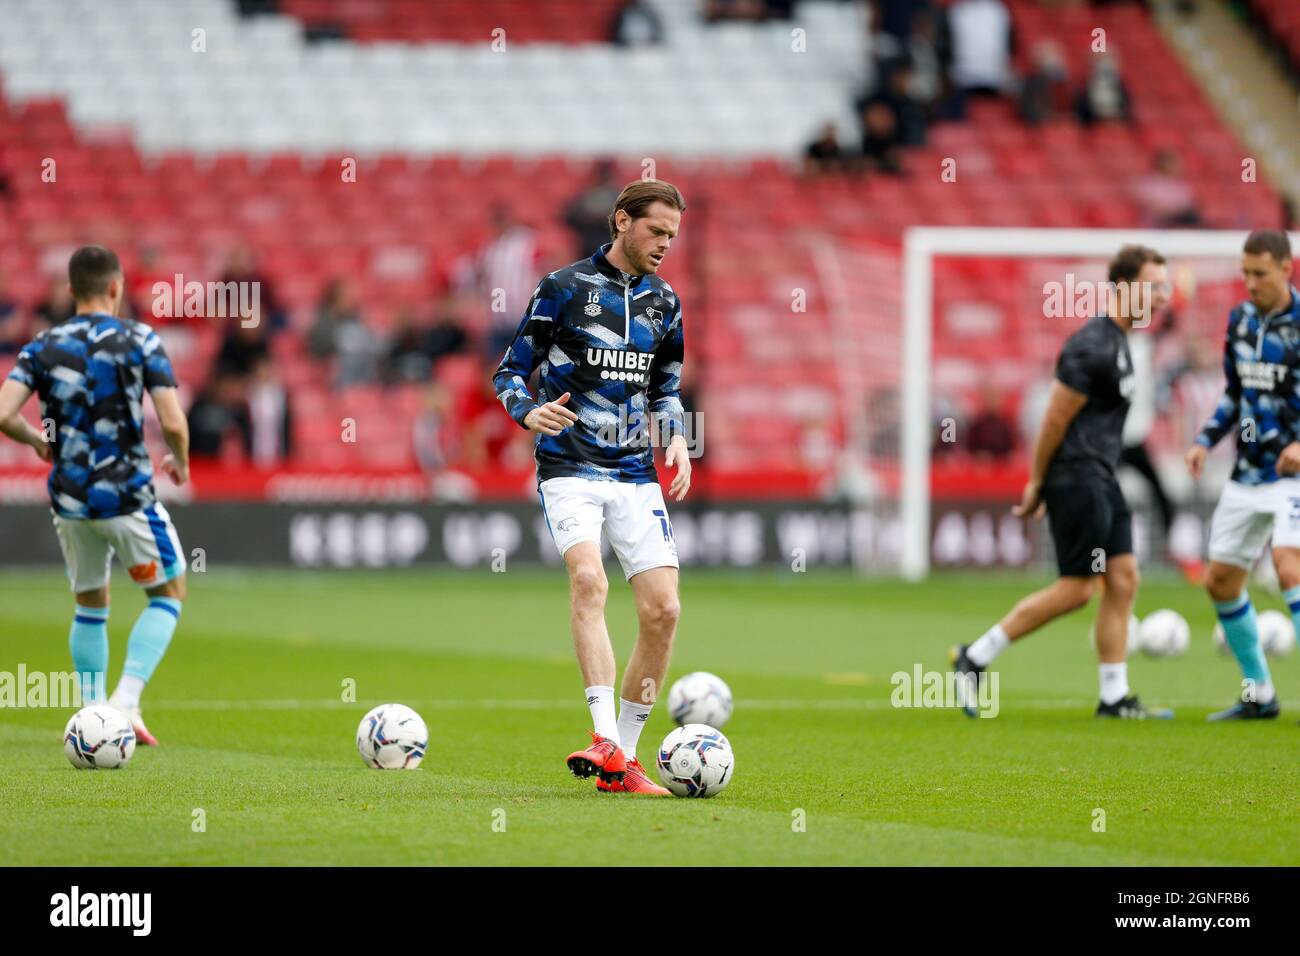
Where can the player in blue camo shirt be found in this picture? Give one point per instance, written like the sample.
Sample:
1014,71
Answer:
91,372
605,333
1261,402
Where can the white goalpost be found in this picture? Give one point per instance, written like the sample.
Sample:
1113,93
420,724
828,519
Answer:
921,246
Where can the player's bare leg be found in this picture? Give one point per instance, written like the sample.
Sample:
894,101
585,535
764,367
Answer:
588,588
1114,609
1059,598
1064,595
1113,613
657,612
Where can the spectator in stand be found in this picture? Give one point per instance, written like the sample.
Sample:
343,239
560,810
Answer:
1104,97
881,138
905,68
756,10
447,335
1044,94
219,418
909,114
503,276
242,348
241,266
13,323
636,24
141,294
1166,199
991,433
336,309
270,420
982,44
824,154
406,360
588,213
56,305
429,429
488,439
926,54
358,352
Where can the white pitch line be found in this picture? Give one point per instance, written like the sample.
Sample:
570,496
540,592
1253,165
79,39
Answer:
568,704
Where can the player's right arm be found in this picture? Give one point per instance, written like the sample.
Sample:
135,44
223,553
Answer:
526,351
1225,415
15,391
13,395
1063,404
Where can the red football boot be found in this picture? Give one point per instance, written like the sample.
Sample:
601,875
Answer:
142,735
634,781
603,757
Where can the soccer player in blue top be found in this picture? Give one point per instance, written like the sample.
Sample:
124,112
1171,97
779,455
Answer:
91,372
1261,362
606,335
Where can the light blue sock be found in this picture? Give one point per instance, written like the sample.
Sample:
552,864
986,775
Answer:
88,641
1292,598
1238,619
149,638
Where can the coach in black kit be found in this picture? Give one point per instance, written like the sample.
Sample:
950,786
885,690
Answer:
1073,478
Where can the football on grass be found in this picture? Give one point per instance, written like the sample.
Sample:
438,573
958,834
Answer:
392,737
696,761
700,698
98,737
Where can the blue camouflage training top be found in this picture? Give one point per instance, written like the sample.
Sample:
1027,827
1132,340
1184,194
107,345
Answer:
614,342
90,372
1261,362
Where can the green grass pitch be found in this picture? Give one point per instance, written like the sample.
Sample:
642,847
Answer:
248,705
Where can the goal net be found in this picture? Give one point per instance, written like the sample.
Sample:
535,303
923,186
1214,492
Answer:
949,345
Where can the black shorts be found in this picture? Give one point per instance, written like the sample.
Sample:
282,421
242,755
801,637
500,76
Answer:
1089,518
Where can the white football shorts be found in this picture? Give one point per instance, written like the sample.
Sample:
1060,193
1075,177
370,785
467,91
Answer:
145,542
633,516
1247,515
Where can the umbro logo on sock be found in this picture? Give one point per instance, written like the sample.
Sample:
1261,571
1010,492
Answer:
641,718
592,700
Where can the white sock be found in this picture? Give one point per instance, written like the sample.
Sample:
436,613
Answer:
127,694
988,647
631,721
600,700
1114,682
1264,692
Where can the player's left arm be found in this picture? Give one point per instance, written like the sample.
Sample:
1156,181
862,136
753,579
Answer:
665,404
1288,461
160,380
14,393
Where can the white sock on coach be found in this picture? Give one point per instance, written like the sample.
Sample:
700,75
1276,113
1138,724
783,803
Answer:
1114,682
600,700
993,642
